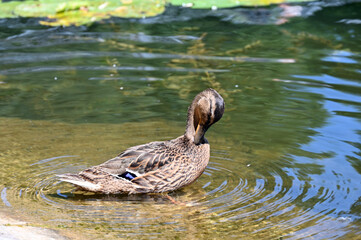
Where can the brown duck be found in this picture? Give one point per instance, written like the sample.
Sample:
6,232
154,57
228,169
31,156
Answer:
158,166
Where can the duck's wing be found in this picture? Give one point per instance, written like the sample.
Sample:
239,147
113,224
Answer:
139,160
142,168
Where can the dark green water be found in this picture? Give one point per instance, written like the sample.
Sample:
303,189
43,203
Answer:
285,158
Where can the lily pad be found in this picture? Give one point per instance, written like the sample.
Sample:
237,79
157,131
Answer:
65,13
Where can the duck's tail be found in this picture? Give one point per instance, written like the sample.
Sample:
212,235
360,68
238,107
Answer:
80,182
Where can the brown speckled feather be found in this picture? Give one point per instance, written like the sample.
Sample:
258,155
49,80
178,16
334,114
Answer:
158,166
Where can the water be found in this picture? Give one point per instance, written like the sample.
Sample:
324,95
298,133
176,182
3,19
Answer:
285,158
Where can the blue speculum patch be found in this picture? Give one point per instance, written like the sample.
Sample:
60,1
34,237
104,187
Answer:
127,175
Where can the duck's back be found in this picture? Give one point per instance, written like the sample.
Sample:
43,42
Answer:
152,167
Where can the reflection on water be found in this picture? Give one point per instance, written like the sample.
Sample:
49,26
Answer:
285,159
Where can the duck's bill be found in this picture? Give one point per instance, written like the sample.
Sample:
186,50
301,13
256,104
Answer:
200,131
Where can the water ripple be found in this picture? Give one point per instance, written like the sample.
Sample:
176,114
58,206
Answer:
52,36
4,198
15,58
289,163
104,68
225,196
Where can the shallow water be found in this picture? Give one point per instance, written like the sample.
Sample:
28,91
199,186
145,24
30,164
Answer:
285,158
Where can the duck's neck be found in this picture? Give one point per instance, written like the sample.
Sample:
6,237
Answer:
190,128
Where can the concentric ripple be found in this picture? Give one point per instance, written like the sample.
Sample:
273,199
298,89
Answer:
285,157
223,196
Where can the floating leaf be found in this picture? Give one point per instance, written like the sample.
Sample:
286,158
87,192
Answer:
65,13
71,6
7,9
84,12
35,9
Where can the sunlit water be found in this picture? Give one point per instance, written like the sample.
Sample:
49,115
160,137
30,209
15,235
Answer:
285,158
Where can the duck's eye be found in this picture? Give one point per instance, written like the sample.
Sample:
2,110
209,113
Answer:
127,175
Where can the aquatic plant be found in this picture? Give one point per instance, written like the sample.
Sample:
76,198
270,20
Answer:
66,13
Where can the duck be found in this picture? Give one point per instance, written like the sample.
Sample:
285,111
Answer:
160,166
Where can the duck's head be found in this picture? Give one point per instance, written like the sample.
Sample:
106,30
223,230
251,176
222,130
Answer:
206,109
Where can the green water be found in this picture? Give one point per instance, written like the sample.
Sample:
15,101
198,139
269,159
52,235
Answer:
285,158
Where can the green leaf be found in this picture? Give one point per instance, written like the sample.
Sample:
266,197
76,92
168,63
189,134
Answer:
65,13
83,13
35,9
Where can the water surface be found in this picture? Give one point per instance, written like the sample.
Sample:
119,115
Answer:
285,158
